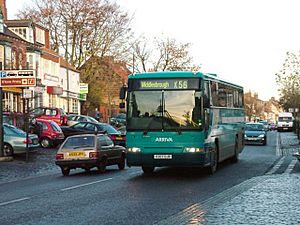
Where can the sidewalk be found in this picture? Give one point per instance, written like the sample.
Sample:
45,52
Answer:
40,162
273,200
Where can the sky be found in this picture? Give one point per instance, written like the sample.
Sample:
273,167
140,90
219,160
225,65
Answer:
242,41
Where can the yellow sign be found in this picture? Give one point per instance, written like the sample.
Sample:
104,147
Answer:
12,89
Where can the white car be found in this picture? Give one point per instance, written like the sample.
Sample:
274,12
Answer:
73,119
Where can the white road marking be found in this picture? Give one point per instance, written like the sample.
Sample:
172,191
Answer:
14,201
291,166
276,166
277,145
83,185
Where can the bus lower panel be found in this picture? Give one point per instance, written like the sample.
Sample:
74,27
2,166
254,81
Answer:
195,159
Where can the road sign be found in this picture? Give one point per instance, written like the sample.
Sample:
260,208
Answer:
17,73
18,82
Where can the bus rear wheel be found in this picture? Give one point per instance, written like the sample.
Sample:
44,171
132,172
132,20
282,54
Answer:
148,169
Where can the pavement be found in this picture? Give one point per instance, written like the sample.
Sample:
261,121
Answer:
269,199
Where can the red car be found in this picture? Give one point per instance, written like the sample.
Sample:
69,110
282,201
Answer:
50,134
57,115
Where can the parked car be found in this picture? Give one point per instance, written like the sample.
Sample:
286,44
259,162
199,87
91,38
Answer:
87,151
118,120
50,134
122,130
255,133
73,119
57,115
92,128
14,140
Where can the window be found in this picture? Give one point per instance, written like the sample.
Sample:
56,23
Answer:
1,57
7,57
90,127
14,60
102,140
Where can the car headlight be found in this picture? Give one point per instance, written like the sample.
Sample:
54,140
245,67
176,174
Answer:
245,135
193,149
134,149
261,136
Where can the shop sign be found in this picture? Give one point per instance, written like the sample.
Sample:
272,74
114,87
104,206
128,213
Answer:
82,97
54,90
84,88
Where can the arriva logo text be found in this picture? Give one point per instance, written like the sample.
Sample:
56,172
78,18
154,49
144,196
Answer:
163,139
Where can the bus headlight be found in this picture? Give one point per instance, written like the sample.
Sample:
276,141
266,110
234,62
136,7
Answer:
134,149
193,149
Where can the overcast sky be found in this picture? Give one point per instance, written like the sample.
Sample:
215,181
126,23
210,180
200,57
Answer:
243,41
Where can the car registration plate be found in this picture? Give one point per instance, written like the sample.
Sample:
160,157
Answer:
252,139
162,156
76,154
119,138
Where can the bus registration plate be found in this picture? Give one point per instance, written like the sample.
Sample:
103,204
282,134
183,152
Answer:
162,156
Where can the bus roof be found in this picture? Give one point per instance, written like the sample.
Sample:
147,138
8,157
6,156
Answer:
180,74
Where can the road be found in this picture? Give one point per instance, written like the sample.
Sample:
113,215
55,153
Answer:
130,197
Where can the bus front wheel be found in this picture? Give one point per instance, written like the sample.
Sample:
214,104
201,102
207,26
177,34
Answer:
148,169
214,162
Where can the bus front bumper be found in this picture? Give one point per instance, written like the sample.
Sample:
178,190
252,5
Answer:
165,159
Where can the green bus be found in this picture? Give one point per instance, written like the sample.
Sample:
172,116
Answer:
182,119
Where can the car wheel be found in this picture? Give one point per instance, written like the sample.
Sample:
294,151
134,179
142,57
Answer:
148,169
7,150
214,161
45,142
121,164
102,166
65,171
235,158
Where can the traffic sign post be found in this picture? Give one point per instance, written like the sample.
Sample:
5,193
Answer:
14,78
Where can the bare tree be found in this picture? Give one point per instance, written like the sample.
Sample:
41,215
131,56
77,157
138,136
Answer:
161,55
82,29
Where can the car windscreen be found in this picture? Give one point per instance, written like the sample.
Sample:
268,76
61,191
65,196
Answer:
109,129
254,127
285,119
79,142
55,126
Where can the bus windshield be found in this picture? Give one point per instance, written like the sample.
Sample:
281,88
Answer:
164,110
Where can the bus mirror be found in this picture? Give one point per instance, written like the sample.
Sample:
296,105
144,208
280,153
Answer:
123,92
122,105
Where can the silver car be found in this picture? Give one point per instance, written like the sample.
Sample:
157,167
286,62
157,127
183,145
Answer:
14,141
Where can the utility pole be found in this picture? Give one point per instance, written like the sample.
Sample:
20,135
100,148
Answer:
1,125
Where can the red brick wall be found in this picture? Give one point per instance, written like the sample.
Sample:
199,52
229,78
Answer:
4,9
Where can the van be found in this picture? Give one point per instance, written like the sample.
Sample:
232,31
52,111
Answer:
50,113
285,121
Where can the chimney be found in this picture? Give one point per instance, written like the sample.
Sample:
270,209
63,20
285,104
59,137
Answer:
4,9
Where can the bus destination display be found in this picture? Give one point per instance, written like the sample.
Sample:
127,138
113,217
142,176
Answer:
168,84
